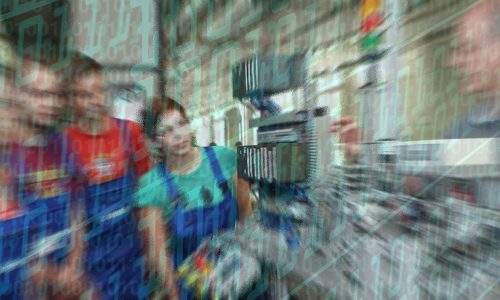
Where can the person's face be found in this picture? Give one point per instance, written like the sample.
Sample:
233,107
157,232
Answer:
89,95
175,133
476,55
42,95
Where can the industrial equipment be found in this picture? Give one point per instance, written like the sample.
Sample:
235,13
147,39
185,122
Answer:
296,227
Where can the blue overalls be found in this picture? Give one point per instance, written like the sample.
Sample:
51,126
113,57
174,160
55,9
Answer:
13,254
187,228
42,230
114,253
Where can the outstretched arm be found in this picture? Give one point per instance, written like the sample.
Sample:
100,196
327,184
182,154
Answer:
158,260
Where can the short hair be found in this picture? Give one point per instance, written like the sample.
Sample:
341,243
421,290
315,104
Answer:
23,60
161,106
82,65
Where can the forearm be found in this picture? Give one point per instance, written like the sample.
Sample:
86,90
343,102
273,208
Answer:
243,199
70,279
157,255
78,247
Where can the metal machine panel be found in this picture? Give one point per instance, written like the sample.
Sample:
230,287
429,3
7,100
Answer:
268,74
459,158
284,162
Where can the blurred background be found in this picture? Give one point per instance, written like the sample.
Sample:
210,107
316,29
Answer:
186,50
416,216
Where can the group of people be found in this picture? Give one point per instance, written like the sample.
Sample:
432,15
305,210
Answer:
84,211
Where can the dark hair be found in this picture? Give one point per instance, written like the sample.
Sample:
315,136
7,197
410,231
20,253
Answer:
22,61
151,117
82,65
161,106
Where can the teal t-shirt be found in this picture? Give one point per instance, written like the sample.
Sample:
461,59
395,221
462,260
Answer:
199,188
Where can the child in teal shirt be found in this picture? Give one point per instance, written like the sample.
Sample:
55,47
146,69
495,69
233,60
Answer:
193,193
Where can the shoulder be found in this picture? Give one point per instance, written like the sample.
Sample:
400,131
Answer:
150,190
135,128
226,158
224,155
61,143
224,152
151,177
75,140
70,149
71,132
136,133
131,127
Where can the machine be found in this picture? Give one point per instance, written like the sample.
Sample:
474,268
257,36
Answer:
462,227
298,221
453,217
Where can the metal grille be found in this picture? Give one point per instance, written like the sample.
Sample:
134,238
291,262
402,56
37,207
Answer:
268,74
273,162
